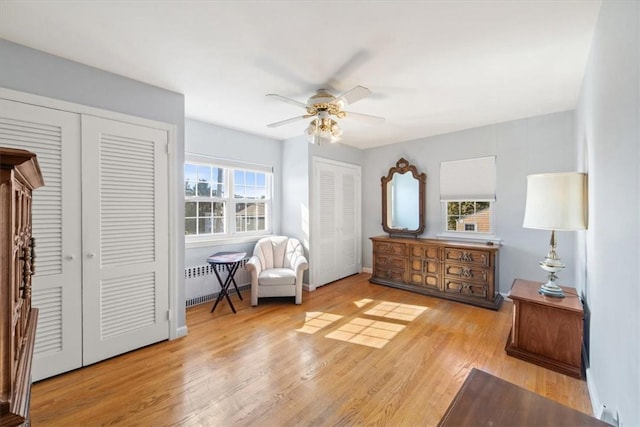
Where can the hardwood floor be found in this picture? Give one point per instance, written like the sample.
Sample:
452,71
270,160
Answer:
353,353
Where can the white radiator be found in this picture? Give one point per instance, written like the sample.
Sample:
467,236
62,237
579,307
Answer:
201,284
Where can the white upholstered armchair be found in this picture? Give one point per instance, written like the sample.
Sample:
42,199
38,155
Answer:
276,268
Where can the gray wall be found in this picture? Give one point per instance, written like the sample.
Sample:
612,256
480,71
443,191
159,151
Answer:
608,143
215,141
522,147
32,71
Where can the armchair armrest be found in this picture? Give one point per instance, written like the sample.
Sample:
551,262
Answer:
254,265
300,264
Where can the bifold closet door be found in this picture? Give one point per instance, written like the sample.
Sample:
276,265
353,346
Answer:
125,237
54,136
337,221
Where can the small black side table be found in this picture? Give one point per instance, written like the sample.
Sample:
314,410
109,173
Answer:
231,260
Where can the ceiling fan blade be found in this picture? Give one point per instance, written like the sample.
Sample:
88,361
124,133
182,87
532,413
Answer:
286,122
364,117
355,94
288,100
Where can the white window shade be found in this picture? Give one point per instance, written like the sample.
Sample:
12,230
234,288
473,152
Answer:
471,179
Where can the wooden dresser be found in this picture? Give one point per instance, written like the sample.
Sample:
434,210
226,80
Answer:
19,176
464,272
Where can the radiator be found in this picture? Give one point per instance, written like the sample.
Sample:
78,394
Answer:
201,284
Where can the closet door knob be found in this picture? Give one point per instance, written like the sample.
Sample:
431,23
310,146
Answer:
91,255
70,257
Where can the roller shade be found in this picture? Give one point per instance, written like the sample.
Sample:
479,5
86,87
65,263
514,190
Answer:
471,179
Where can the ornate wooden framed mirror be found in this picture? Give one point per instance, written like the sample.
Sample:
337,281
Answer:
403,200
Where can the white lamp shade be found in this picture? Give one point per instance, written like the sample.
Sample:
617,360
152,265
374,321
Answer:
556,201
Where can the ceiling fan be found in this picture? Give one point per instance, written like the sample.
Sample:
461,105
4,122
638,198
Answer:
322,106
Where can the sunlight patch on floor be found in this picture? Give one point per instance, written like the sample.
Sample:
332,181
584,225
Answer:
361,303
397,311
316,320
372,333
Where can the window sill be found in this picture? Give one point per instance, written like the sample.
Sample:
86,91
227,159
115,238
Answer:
475,238
223,241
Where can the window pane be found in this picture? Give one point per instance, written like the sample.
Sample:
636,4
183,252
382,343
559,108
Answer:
204,189
204,173
482,205
453,208
204,209
218,225
190,209
217,175
190,226
451,223
204,226
218,209
189,180
261,180
250,178
238,177
467,208
239,191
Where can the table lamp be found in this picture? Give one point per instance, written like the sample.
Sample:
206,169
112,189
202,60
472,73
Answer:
555,201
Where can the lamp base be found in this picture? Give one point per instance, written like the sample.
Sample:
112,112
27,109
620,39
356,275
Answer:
550,289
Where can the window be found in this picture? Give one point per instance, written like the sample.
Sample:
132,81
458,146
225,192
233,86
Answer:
224,200
469,215
467,193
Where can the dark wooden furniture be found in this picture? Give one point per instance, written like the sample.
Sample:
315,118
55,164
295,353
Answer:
546,331
464,272
485,400
405,183
231,261
19,176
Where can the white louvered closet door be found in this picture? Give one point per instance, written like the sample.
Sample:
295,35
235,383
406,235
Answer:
337,223
350,223
54,136
125,253
326,260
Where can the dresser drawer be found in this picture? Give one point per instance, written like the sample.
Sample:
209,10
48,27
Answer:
389,248
385,260
419,251
466,272
467,256
389,274
462,287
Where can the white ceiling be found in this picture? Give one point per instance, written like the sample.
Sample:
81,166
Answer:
433,66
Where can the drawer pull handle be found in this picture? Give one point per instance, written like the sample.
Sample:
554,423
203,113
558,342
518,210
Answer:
466,272
465,256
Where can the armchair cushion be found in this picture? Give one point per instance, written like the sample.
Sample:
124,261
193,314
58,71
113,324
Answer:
277,276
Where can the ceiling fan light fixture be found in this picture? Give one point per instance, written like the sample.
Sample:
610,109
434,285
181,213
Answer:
323,130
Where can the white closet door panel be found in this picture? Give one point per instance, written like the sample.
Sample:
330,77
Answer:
349,227
125,216
327,233
55,137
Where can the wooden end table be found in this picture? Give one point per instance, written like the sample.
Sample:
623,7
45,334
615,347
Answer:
545,330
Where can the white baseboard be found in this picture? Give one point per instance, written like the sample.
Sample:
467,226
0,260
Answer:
180,332
367,270
596,406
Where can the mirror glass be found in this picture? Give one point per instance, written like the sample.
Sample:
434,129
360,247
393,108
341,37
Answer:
403,200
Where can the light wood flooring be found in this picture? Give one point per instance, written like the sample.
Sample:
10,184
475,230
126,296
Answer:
353,353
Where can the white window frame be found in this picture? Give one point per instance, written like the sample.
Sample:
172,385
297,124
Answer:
230,234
